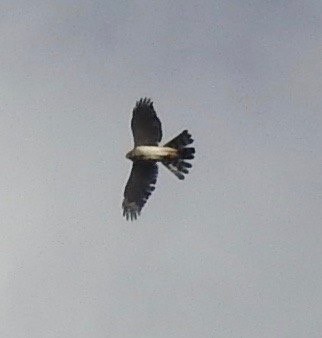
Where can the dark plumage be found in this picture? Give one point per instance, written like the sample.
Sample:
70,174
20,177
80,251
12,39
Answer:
146,126
139,187
147,134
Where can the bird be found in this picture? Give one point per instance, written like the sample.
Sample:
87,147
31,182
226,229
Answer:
147,134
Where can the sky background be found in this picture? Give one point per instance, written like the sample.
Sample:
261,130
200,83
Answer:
235,250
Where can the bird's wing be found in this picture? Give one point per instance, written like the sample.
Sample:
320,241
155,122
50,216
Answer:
146,126
139,187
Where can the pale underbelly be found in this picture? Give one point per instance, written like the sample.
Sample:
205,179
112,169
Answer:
155,153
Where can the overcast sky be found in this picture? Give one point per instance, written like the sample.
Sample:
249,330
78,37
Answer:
235,250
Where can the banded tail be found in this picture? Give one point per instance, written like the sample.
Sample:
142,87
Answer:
179,166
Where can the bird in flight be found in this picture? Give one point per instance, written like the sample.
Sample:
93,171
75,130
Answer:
147,133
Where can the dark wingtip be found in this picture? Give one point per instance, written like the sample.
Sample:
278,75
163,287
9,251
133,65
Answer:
144,101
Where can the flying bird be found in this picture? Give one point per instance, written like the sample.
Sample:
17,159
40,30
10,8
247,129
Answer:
147,133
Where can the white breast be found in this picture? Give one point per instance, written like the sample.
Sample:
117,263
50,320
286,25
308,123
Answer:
154,153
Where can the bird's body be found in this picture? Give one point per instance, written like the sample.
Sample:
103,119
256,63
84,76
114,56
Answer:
147,133
152,153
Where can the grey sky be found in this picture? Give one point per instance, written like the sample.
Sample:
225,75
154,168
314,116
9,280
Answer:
234,250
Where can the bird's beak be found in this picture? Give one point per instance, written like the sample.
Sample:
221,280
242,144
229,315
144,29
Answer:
128,155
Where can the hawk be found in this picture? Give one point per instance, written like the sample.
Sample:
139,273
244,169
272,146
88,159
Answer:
147,134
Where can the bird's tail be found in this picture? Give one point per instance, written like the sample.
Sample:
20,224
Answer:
179,166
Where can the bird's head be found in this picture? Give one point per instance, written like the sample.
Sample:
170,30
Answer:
129,155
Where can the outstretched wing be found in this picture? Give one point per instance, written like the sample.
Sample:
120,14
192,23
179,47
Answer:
146,126
139,187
